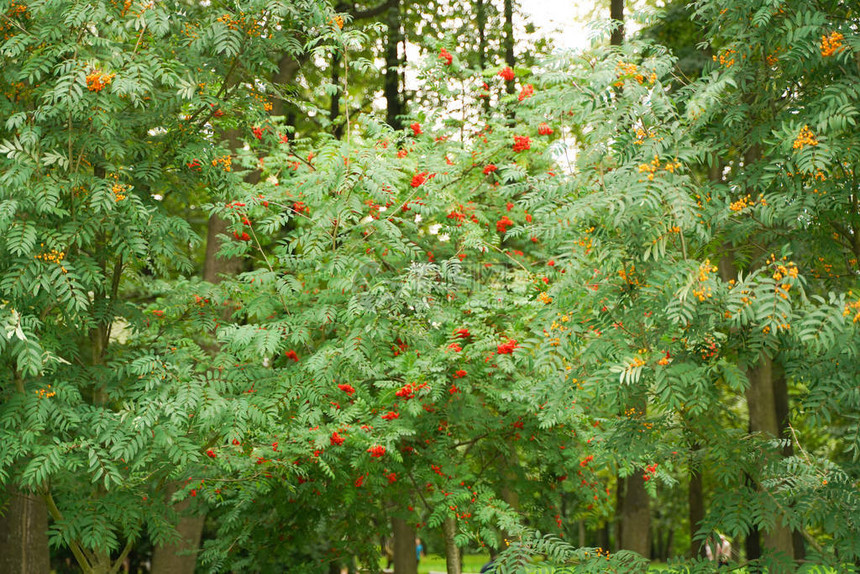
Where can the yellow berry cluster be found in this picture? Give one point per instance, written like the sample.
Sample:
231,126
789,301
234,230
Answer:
651,168
745,202
831,44
804,138
226,162
625,70
52,256
643,134
586,242
557,328
703,292
45,393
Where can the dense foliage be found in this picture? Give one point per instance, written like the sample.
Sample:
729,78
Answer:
512,317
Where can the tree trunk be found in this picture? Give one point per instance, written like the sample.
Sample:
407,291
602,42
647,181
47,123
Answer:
23,533
620,485
762,404
481,14
697,506
405,558
394,103
508,41
616,12
288,67
635,517
180,557
452,553
214,266
334,107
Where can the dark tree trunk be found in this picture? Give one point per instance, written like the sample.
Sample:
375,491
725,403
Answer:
762,403
334,107
23,533
452,553
603,540
393,97
508,41
620,485
481,13
697,505
405,558
288,67
616,12
635,516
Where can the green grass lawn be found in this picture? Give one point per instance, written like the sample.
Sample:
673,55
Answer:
471,563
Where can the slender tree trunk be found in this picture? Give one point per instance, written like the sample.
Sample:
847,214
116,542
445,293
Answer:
620,485
334,107
762,404
452,553
288,67
634,505
481,14
616,12
393,97
405,559
508,41
697,505
636,516
214,266
23,533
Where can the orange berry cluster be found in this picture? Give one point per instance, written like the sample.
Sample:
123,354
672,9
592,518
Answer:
252,29
45,393
336,21
629,276
97,80
628,70
726,58
804,138
853,308
52,256
831,44
226,162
